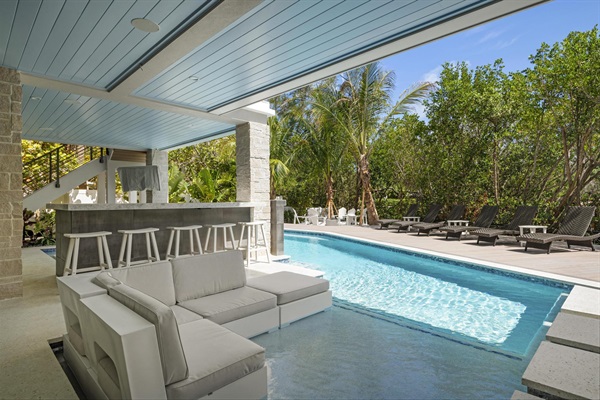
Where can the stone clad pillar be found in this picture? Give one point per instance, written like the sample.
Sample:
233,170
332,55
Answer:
160,159
252,169
11,185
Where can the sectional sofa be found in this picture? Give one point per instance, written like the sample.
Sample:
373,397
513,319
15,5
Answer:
179,329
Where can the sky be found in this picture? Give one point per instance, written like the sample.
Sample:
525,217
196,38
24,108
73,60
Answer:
512,38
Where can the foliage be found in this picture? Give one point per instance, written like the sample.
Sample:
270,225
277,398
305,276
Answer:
204,172
38,228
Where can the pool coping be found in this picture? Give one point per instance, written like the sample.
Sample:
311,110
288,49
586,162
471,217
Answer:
497,266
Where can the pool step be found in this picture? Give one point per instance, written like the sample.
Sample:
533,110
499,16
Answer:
558,371
575,331
518,395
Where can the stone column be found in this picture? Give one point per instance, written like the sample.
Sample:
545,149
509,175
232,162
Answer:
277,207
252,166
11,185
160,159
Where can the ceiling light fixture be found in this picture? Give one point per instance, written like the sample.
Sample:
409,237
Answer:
145,25
193,78
72,101
35,98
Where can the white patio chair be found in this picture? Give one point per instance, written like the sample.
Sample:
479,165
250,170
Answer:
341,217
351,217
313,216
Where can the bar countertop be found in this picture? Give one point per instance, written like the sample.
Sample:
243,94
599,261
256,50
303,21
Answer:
146,206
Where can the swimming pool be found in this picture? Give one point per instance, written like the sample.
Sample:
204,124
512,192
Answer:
467,303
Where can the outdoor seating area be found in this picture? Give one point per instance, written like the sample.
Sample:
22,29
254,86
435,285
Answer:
179,328
573,229
318,216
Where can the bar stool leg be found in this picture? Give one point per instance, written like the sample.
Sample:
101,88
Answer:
154,246
177,239
191,241
215,235
106,252
262,228
122,251
247,245
69,257
129,243
197,235
148,250
100,253
233,244
170,243
207,238
75,257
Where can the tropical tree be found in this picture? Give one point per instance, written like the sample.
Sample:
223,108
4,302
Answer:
362,111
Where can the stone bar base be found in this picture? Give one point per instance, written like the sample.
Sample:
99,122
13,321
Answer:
81,218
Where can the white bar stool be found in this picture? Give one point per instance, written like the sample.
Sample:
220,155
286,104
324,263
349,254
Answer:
73,252
215,227
175,233
127,242
253,245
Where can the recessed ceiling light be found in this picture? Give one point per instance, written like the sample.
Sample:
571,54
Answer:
145,25
193,78
35,98
46,129
191,126
72,101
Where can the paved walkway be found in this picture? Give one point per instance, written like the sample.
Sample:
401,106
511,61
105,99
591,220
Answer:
576,265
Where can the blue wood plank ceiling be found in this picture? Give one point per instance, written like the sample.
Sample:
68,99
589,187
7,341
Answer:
91,47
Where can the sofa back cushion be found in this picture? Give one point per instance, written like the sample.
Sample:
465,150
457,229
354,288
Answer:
174,365
155,279
207,274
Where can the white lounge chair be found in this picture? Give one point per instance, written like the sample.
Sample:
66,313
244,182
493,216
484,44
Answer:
341,217
351,217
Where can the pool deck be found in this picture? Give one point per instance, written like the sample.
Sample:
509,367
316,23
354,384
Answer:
578,265
30,369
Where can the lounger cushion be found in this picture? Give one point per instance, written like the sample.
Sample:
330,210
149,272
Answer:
167,333
288,286
208,274
183,315
108,379
218,359
155,279
456,229
231,305
492,232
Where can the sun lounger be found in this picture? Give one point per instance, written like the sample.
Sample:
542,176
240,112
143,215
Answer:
431,215
523,216
457,213
487,215
411,212
572,230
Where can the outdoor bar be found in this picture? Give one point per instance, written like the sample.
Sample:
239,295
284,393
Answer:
78,218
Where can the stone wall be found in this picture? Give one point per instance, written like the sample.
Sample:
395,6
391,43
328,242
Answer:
252,166
11,185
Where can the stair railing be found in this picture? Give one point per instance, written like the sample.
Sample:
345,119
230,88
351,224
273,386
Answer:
56,163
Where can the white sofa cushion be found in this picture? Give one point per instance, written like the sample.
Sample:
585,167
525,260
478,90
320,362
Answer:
288,286
183,316
231,305
155,279
216,357
173,360
207,274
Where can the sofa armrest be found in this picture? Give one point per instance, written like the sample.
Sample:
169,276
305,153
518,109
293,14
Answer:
129,340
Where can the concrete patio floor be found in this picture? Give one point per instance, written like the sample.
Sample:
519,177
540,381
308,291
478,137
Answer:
30,369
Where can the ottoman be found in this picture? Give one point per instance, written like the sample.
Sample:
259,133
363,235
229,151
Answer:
298,296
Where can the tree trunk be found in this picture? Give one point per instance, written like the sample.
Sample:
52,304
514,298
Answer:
365,178
329,193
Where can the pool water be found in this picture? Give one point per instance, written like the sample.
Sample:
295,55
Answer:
458,301
405,326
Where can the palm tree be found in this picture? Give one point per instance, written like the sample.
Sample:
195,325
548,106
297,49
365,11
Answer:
362,110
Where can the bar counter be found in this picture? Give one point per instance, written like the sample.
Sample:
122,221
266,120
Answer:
79,218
